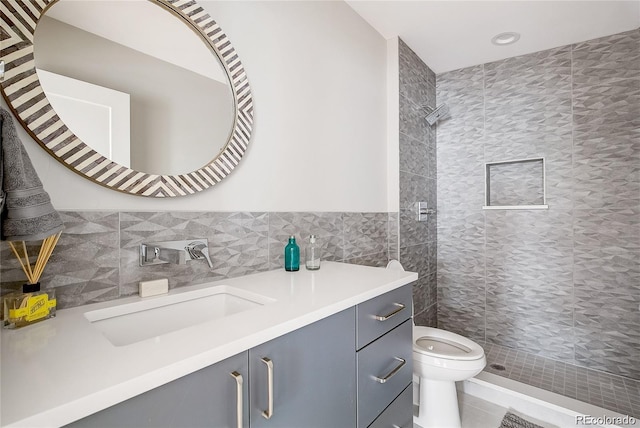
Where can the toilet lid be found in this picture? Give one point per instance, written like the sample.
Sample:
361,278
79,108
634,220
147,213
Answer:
441,347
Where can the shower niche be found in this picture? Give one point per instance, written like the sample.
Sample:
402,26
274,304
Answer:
515,184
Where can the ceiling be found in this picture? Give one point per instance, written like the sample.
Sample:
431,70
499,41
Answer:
449,35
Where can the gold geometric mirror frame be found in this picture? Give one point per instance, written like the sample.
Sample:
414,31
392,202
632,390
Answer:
26,98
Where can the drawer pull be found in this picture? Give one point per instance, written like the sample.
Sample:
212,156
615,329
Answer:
400,307
239,381
393,372
269,412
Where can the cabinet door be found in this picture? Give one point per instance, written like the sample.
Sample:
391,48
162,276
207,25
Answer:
313,372
399,413
385,369
206,398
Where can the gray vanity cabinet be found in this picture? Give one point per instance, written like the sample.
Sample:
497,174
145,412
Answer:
351,369
206,398
313,373
385,360
310,381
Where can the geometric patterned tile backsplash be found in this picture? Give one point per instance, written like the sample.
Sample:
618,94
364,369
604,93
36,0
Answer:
84,266
562,283
96,258
235,248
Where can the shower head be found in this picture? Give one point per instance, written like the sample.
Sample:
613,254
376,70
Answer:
437,114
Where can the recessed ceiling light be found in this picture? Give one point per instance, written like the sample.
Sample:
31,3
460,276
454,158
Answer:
503,39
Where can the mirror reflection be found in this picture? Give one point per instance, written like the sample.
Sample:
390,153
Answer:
135,83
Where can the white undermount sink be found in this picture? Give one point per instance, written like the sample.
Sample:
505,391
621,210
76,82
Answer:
154,316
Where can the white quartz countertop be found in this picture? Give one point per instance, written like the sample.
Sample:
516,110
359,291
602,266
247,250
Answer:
63,369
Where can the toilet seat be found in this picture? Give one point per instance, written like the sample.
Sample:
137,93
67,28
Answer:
445,344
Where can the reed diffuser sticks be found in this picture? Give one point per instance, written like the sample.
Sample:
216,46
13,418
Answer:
46,249
31,305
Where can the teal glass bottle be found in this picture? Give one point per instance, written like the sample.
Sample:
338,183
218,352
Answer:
292,255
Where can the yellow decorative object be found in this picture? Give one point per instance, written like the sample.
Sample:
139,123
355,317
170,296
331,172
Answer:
21,309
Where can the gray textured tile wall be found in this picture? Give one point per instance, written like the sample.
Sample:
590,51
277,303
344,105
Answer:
97,256
562,283
418,171
607,200
461,227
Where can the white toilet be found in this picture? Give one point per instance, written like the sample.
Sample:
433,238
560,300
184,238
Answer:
440,358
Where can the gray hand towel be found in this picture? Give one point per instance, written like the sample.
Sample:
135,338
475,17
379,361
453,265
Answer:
27,213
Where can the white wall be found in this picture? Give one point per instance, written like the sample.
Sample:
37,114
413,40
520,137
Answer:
318,74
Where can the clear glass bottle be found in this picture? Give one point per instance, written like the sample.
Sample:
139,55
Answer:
312,254
292,255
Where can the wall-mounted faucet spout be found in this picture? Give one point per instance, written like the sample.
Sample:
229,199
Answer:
175,252
169,255
198,250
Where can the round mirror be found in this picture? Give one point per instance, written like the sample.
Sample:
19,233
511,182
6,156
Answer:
134,96
134,83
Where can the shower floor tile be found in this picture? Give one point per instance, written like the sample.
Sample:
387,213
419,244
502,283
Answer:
609,391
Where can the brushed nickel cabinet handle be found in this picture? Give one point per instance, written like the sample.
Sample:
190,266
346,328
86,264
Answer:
269,412
239,405
393,372
390,314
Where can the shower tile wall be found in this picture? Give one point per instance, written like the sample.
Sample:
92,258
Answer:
563,283
460,157
97,256
418,180
607,215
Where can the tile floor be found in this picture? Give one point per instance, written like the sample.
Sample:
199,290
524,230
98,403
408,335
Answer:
601,389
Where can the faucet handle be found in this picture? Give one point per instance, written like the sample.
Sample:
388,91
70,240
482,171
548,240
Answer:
199,250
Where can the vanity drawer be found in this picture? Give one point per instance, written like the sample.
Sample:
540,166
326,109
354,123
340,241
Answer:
379,315
399,413
384,370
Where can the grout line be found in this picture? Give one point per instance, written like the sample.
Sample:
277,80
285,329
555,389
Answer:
344,233
119,240
573,217
484,214
268,240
